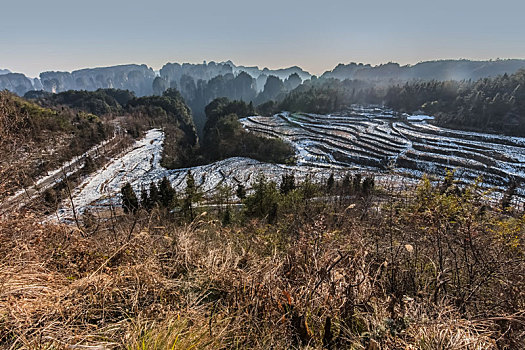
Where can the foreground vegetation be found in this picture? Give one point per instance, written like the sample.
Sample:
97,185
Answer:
335,265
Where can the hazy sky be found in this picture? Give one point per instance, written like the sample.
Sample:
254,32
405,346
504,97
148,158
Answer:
37,35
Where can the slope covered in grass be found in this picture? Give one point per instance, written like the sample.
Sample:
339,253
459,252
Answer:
34,140
431,268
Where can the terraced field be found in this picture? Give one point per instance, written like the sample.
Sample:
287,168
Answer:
397,151
378,140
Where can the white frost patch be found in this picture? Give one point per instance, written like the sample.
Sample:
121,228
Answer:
67,168
141,164
419,118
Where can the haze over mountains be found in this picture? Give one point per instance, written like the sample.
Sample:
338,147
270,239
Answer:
140,78
430,70
136,78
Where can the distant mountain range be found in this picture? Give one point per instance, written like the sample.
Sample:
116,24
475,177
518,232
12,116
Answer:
140,78
430,70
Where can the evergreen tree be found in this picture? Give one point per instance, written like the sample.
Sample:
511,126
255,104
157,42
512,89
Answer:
368,185
506,200
167,195
241,192
346,186
226,217
144,198
356,183
154,197
330,183
287,183
192,195
308,188
265,198
130,203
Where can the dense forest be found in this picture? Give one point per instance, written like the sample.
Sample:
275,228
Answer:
224,137
492,105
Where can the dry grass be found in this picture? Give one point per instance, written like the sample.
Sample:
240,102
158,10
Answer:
159,285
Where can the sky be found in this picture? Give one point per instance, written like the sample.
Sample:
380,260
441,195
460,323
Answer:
65,35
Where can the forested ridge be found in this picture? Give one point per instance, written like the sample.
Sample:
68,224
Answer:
222,134
489,104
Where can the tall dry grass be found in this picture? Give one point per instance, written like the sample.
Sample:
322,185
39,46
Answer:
346,275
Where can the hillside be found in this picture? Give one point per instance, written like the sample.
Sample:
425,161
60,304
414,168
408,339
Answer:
15,82
428,268
334,238
493,105
137,78
35,140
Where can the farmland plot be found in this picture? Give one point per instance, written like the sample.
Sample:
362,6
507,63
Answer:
409,146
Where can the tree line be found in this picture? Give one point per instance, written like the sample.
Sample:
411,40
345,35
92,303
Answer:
267,200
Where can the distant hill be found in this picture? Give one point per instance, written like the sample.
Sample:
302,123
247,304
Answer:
430,70
4,71
173,72
138,78
282,73
15,82
133,77
143,80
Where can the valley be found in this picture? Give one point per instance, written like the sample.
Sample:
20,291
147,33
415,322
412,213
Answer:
393,148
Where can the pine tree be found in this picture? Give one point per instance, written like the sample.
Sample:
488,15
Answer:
356,183
506,200
154,197
192,194
287,183
346,185
144,198
226,217
241,192
130,203
167,195
308,188
330,183
368,185
263,199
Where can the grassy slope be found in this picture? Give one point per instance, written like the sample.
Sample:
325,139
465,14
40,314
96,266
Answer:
431,270
34,140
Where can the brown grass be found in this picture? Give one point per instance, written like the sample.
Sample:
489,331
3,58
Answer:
325,281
